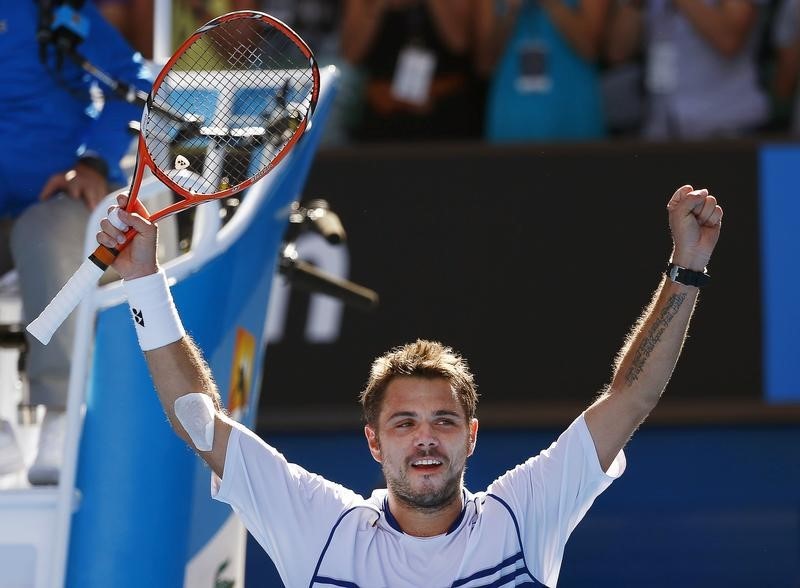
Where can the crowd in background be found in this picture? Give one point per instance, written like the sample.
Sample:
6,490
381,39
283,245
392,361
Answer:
546,70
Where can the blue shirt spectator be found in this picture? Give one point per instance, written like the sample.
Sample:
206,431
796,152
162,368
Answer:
48,116
546,86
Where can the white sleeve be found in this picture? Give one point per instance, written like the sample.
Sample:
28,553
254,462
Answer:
549,495
287,509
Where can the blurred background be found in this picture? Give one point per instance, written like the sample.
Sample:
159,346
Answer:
502,168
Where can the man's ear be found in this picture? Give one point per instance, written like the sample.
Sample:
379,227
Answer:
373,442
473,435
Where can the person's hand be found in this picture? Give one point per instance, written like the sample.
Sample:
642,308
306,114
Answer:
81,183
695,220
139,257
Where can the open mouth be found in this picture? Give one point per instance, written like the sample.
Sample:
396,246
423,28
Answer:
426,464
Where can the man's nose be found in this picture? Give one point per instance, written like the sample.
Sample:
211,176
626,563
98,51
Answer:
425,437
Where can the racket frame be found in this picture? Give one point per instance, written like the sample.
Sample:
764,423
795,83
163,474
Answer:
85,278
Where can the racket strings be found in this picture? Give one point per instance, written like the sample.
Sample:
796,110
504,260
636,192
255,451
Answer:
243,90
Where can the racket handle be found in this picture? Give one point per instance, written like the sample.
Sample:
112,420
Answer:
79,285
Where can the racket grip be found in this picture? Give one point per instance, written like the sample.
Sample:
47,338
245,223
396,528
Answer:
79,285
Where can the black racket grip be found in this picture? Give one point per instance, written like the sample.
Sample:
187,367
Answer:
310,278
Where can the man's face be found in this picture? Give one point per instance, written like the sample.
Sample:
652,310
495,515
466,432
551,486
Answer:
422,441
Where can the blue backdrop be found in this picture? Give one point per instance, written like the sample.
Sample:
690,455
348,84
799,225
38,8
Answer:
780,278
697,506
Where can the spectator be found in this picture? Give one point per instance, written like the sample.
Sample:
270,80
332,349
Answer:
418,60
546,82
700,54
318,23
61,145
786,39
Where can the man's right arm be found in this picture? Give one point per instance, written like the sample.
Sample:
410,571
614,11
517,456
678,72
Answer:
287,509
176,366
178,369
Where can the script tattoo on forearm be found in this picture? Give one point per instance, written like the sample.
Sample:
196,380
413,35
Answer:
653,336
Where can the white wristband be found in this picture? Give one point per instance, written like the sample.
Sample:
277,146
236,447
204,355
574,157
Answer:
154,313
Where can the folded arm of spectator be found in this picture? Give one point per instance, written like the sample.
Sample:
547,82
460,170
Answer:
453,18
494,30
362,19
360,23
726,25
624,33
583,26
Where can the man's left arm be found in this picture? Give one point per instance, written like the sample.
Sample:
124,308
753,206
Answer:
646,361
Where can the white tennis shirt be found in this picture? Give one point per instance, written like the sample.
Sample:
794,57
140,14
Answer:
319,533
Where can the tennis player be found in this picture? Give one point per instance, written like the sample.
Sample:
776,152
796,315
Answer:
425,529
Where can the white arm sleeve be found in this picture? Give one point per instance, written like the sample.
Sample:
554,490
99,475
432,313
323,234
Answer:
288,510
550,494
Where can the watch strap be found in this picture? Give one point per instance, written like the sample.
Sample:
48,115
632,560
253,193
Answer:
686,276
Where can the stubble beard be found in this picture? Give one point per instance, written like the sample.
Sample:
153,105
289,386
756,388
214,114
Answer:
428,499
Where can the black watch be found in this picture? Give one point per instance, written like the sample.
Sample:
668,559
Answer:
687,277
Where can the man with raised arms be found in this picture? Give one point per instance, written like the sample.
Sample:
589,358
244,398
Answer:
425,528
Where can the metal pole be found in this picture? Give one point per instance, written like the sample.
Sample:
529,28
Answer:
162,31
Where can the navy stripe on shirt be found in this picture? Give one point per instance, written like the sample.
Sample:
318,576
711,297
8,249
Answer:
325,549
530,580
503,580
488,571
333,582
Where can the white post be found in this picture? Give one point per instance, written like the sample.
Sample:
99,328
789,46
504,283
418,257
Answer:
162,31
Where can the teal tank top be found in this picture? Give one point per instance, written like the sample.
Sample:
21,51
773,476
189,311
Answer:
541,88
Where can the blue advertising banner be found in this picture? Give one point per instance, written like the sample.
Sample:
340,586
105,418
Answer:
780,210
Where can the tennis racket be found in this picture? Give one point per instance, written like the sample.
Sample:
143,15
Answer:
225,110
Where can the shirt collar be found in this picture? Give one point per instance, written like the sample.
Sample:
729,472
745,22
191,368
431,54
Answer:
396,526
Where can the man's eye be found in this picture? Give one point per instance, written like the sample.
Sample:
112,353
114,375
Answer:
404,424
444,422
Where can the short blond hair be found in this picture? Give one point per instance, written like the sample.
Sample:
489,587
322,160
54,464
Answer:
424,359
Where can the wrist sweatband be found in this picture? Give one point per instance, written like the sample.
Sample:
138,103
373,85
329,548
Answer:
154,313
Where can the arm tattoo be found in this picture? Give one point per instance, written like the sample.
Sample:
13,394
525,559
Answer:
653,336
